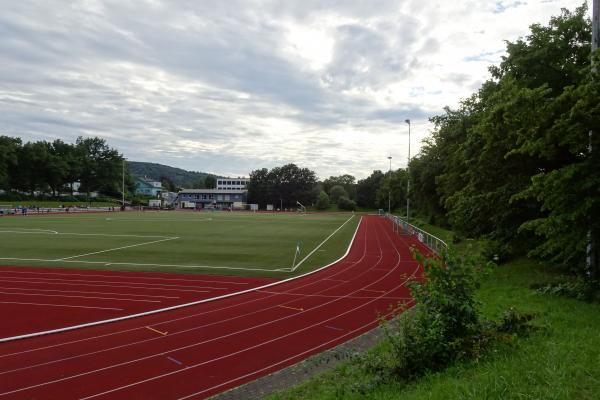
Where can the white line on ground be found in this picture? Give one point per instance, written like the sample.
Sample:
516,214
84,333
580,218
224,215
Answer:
322,243
144,264
50,232
60,305
116,248
86,292
122,276
80,297
112,286
86,281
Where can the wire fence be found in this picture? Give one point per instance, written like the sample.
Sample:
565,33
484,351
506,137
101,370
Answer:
434,243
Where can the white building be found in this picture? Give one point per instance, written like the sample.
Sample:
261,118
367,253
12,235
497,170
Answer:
232,183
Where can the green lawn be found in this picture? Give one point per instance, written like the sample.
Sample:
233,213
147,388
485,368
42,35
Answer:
559,361
218,242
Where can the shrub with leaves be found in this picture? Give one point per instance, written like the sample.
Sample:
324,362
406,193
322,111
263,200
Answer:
441,327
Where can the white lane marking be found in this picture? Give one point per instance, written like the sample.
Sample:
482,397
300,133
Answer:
321,244
80,297
86,292
333,296
112,286
85,281
117,248
60,305
123,276
144,264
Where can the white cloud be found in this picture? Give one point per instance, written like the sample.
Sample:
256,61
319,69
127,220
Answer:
232,86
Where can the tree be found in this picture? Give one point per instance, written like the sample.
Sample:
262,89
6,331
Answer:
210,182
168,184
345,203
284,185
336,192
366,190
9,151
323,201
101,166
346,181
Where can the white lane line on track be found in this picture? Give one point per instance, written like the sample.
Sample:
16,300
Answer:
237,352
120,276
111,286
60,305
133,264
187,304
244,330
298,356
81,297
86,292
116,248
148,284
174,320
333,296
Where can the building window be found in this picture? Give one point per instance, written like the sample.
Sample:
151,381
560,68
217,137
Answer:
227,197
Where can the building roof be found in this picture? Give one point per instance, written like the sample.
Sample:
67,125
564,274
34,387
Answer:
212,191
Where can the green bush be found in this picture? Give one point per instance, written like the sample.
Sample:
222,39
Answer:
345,203
322,201
441,328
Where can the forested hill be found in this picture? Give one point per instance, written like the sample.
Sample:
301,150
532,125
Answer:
180,177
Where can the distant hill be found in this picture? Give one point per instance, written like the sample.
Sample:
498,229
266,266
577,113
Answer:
180,177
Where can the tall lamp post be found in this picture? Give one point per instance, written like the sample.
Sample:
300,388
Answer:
408,175
123,183
390,188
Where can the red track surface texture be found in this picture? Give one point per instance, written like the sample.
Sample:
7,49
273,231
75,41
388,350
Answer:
198,351
41,299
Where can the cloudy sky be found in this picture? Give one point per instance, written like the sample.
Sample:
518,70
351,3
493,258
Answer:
228,86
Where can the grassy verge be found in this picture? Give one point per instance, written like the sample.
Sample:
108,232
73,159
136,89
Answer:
559,361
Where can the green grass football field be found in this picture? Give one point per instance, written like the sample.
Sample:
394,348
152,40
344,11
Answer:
221,243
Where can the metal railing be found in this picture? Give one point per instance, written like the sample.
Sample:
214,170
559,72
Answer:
434,243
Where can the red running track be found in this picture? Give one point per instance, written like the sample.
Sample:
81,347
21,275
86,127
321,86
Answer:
41,299
205,349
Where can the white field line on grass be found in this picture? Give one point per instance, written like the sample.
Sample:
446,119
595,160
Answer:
116,248
320,244
50,232
176,307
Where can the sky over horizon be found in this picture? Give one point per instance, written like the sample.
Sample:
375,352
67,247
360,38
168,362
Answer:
228,87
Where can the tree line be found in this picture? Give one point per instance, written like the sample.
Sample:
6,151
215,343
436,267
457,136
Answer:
516,162
52,167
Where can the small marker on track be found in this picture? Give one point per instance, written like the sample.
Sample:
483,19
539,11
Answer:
175,361
334,328
292,308
157,331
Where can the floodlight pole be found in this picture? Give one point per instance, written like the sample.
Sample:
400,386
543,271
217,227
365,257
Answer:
123,183
408,175
591,256
390,188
